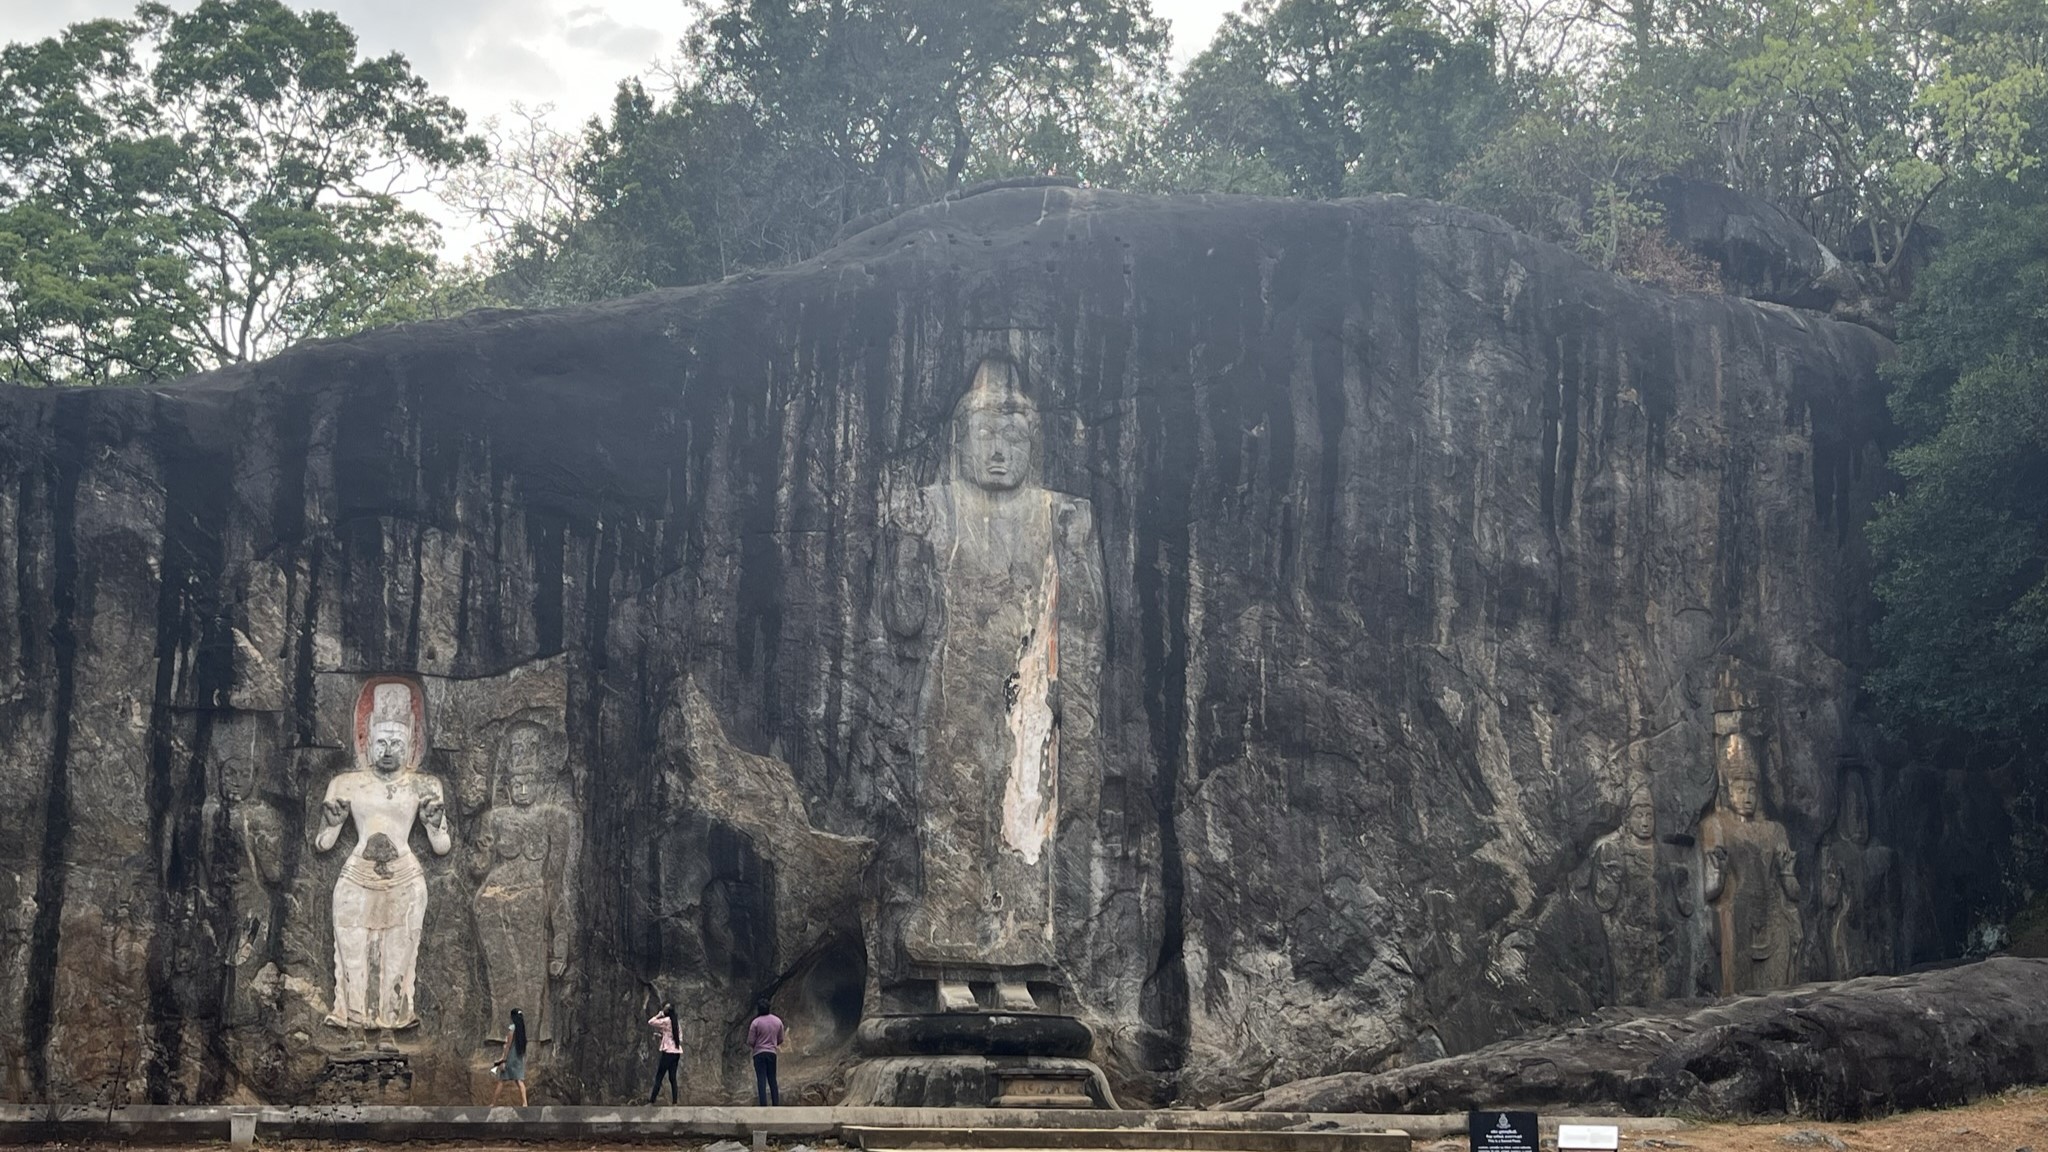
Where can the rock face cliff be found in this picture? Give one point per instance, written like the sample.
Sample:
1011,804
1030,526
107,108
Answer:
1473,642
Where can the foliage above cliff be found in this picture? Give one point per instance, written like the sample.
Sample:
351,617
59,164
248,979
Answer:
1862,119
787,121
268,212
183,190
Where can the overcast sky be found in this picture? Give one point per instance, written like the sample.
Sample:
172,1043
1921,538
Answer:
485,54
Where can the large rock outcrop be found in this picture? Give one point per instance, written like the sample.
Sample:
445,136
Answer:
1476,645
1763,254
1842,1051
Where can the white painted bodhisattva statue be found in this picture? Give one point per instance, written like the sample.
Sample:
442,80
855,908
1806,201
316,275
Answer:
380,899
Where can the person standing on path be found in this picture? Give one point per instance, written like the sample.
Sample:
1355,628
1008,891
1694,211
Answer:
664,1023
511,1068
765,1036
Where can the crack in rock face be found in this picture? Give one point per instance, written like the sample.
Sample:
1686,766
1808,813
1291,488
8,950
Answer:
1286,638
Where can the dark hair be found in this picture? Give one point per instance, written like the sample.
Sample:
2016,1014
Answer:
519,1032
761,1006
675,1030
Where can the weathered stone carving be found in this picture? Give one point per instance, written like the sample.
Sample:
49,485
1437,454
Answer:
525,858
380,898
1748,870
1856,888
1011,571
1625,890
257,833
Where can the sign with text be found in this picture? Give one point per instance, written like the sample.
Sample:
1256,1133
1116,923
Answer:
1588,1137
1502,1131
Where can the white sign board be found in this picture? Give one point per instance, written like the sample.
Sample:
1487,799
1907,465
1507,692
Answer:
1588,1138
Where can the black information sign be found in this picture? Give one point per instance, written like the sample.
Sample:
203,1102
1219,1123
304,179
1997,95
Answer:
1502,1131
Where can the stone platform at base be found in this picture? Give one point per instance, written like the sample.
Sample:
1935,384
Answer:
1047,1128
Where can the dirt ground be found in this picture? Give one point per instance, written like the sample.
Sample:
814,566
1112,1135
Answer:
2014,1122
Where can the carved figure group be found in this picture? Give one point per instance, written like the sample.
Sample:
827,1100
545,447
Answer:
1739,863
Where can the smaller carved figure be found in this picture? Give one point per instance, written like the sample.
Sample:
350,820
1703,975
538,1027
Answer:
1856,877
525,858
380,898
1624,884
1686,941
258,832
1749,876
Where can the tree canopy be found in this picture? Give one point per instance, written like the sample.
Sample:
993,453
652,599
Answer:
790,118
184,190
1329,98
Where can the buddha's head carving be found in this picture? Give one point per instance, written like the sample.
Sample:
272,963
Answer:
996,429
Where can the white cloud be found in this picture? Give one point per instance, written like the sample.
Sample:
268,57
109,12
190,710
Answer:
593,30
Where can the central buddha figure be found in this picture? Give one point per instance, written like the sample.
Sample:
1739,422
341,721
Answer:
1012,580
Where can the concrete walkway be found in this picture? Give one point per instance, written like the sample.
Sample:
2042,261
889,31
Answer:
170,1124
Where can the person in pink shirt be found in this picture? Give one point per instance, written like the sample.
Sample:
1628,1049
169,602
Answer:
765,1036
664,1023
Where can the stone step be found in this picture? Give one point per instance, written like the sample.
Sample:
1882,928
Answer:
1073,1139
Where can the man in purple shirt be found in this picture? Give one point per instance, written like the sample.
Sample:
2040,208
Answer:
765,1036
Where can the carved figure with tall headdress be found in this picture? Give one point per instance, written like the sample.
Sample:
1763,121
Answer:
380,898
1749,873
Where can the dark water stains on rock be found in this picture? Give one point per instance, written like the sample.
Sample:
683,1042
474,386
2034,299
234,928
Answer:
1425,550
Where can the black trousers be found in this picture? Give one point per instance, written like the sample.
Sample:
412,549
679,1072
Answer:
765,1091
667,1068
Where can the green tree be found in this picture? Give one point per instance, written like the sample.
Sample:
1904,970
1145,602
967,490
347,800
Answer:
1964,546
1329,98
792,119
184,190
616,211
1854,116
906,99
1573,168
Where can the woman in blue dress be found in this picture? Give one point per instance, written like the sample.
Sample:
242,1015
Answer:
512,1068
